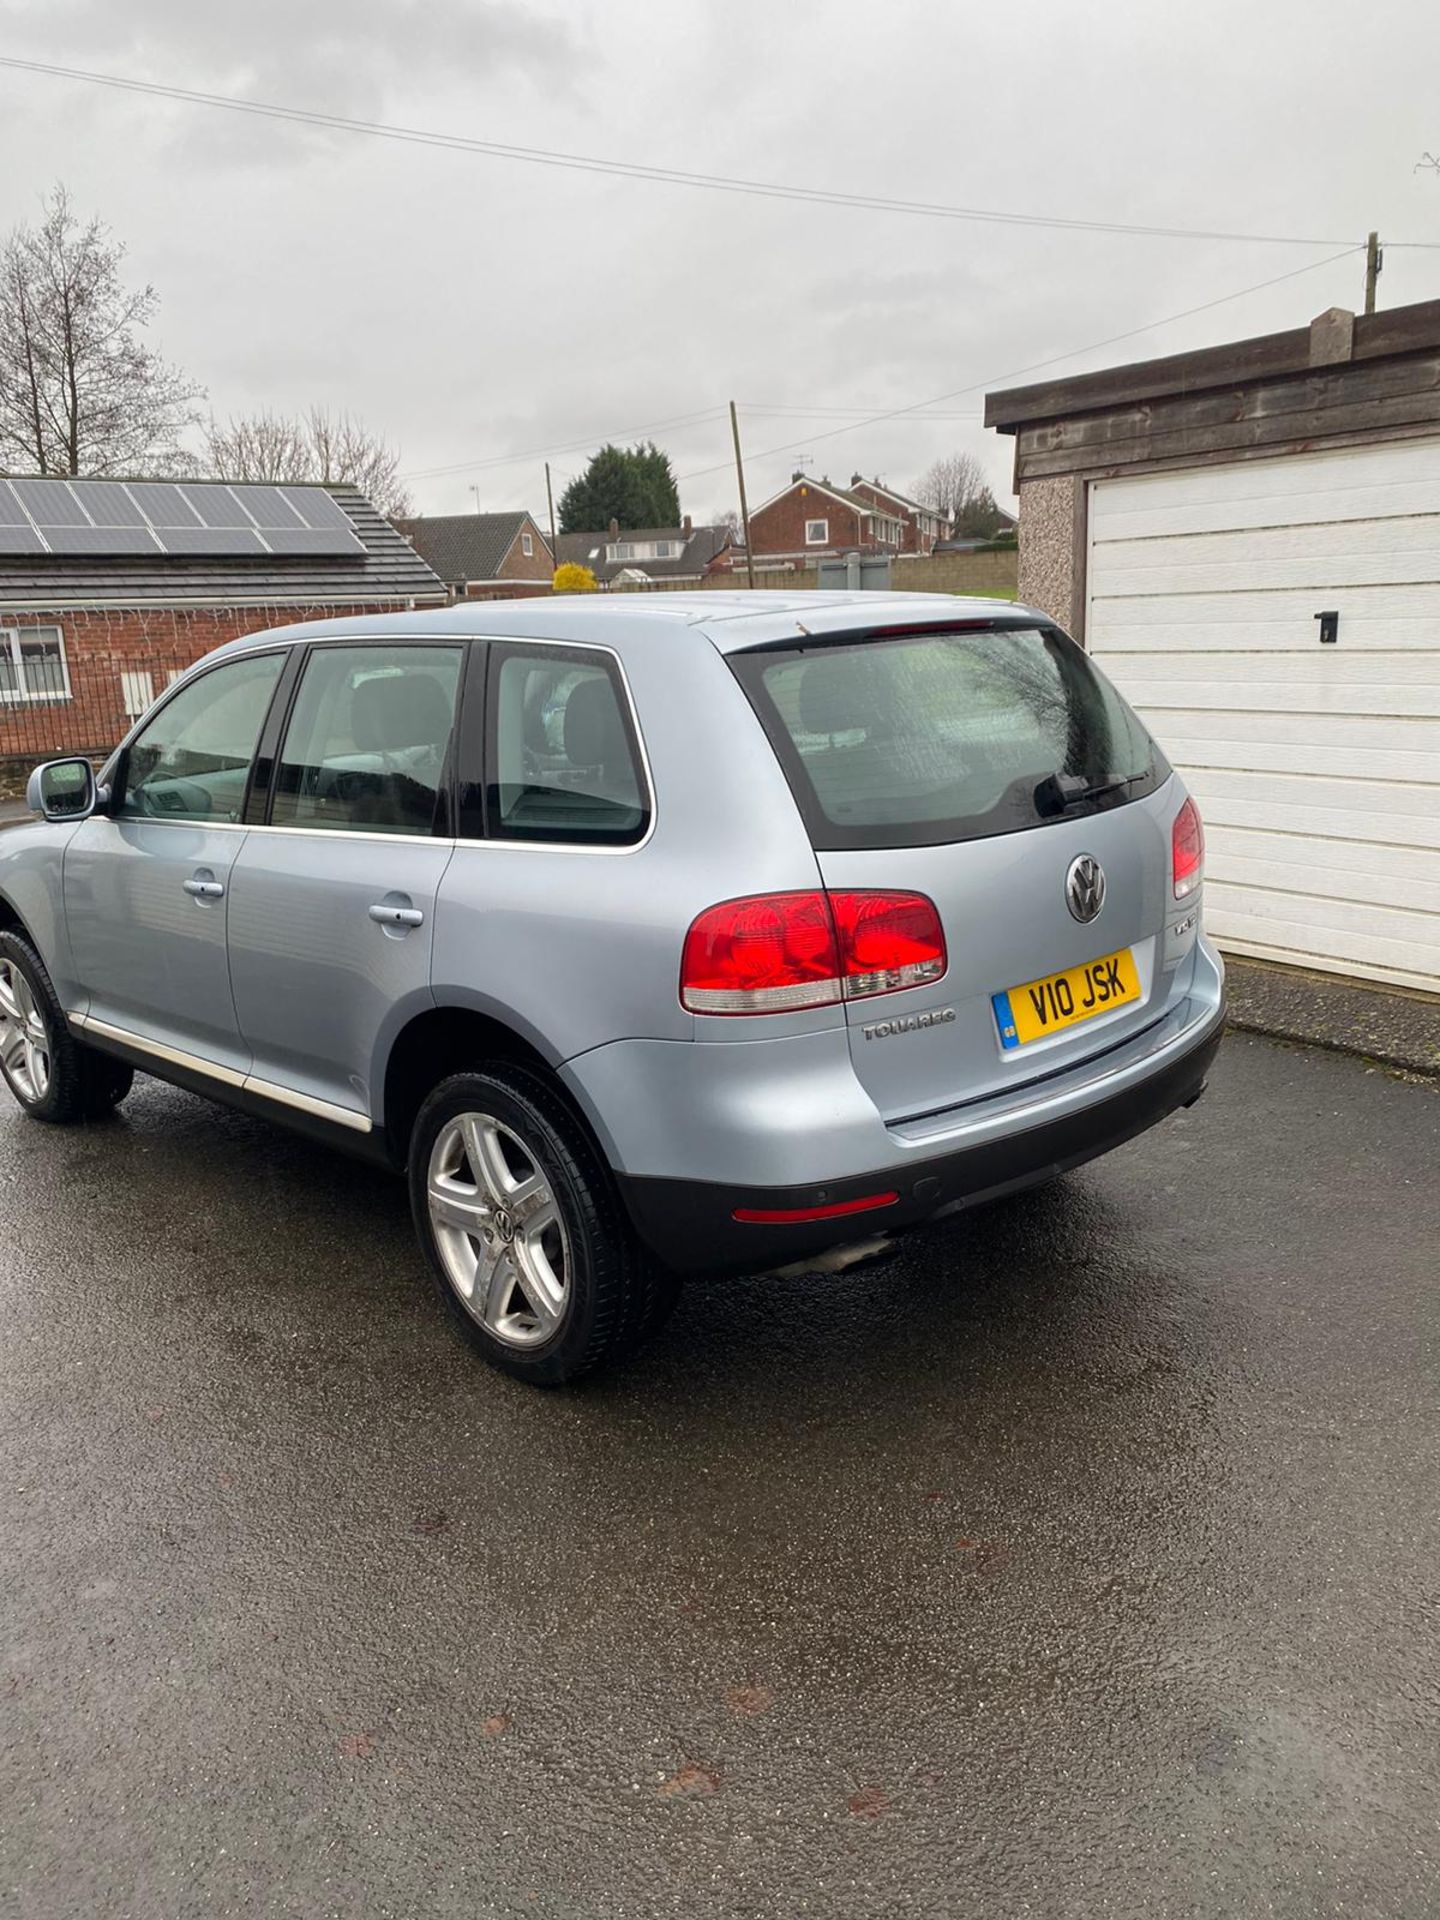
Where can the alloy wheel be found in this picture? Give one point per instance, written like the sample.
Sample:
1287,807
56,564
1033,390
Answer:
24,1036
498,1230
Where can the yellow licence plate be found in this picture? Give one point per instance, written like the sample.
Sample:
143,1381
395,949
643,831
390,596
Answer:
1043,1007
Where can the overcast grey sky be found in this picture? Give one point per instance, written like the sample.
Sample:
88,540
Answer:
476,309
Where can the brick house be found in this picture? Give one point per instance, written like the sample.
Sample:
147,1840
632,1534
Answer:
109,589
664,556
923,526
483,556
812,520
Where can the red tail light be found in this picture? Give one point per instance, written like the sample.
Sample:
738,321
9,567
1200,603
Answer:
780,952
1187,850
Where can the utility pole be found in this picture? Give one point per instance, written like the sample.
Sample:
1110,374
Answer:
1374,261
744,509
550,497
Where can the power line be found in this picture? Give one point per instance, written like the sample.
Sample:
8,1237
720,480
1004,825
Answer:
632,170
918,410
1037,366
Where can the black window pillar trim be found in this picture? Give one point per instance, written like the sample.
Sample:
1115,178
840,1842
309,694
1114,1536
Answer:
471,733
258,789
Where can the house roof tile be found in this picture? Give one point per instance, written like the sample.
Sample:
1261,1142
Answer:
467,546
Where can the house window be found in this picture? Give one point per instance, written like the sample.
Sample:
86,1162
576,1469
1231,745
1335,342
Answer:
137,693
817,533
32,665
527,546
625,550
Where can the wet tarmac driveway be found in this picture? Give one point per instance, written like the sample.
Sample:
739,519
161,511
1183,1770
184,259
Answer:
1083,1561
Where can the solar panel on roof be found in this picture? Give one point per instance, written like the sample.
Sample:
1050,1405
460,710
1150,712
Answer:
323,515
11,513
217,506
20,540
107,503
268,507
163,504
102,540
306,540
50,503
208,540
316,508
143,517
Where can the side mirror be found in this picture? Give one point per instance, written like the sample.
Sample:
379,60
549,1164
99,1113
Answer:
62,790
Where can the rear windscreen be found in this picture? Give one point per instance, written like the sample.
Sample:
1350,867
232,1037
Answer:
918,738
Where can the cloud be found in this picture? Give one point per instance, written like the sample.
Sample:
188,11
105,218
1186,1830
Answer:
346,59
473,308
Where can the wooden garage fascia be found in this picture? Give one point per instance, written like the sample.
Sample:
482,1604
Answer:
1334,337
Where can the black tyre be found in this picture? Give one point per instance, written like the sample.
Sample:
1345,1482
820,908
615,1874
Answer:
524,1232
52,1074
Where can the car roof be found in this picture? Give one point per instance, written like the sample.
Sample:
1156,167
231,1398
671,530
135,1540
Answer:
728,621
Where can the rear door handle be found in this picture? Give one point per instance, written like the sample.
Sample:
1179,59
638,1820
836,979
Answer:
396,916
205,889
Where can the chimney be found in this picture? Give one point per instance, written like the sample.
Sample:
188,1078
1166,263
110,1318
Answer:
797,475
685,527
1332,337
614,529
856,478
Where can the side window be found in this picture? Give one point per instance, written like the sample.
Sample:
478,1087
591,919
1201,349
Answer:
192,761
563,758
368,743
32,664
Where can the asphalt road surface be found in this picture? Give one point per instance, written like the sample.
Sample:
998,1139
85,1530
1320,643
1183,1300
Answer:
1082,1561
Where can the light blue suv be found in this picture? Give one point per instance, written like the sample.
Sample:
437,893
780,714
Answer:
647,935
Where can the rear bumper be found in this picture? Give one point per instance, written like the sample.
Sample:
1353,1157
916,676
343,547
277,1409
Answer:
691,1224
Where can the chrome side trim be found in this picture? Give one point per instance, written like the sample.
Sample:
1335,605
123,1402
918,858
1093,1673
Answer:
227,1076
307,1103
87,1023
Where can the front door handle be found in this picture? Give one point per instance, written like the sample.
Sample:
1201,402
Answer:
388,916
205,886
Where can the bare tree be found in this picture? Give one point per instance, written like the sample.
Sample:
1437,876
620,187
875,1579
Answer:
956,487
80,392
729,519
317,445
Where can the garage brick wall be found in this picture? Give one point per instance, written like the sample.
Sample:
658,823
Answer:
1051,533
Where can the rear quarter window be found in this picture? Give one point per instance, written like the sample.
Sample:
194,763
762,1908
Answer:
564,759
933,736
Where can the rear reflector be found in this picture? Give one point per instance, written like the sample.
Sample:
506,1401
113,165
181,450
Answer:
1187,850
782,952
794,1216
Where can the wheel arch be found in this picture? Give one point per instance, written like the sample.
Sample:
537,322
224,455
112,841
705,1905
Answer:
443,1040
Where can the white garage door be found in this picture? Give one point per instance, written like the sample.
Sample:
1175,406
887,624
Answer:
1317,768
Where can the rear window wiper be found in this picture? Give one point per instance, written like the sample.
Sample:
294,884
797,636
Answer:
1057,791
